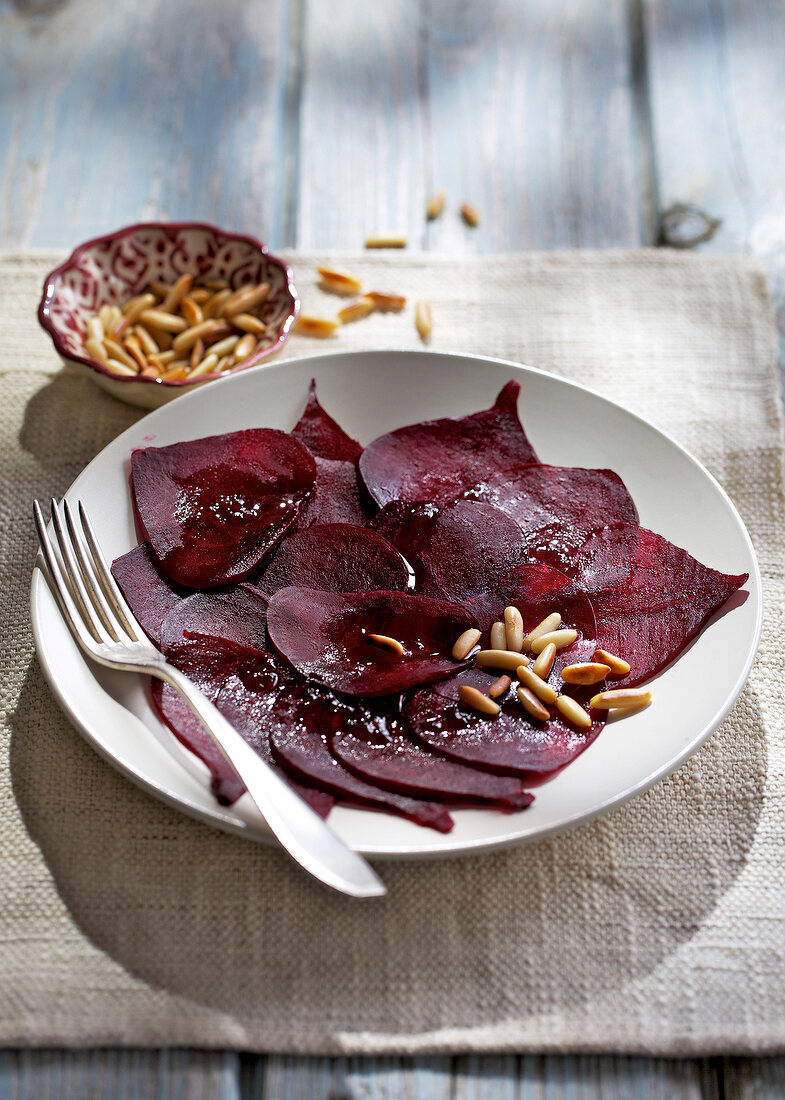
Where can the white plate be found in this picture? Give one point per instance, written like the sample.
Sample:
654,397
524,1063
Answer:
370,393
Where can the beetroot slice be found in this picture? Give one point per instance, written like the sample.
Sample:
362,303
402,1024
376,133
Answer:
219,668
437,460
376,746
211,509
537,590
509,744
323,437
323,635
149,596
456,550
237,615
335,497
337,557
650,597
557,507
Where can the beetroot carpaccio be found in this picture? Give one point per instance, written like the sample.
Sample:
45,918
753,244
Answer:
316,590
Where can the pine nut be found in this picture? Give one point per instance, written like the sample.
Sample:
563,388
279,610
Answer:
197,353
192,311
207,366
386,240
214,306
95,330
500,658
560,638
225,362
247,298
385,642
471,697
119,328
223,347
573,712
617,665
544,663
319,327
534,683
621,699
134,349
355,311
498,636
470,215
423,320
160,288
162,358
435,205
339,282
166,321
465,644
120,368
549,623
134,309
248,323
588,673
513,629
117,351
107,317
216,284
178,372
186,340
385,302
499,687
200,294
146,340
245,347
532,705
175,296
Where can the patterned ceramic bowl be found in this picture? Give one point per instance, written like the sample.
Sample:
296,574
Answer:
112,269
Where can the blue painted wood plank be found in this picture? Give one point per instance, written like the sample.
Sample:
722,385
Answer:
754,1078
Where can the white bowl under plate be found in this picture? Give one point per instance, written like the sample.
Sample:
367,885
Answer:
370,393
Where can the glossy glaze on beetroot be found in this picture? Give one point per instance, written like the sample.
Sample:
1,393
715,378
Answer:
480,522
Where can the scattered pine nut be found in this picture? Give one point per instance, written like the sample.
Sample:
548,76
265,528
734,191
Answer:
435,205
207,366
385,302
513,629
544,663
560,638
423,320
355,311
245,347
573,712
617,665
465,643
386,240
588,673
383,641
320,327
498,636
339,282
470,215
621,699
532,705
549,623
542,690
471,697
501,658
499,687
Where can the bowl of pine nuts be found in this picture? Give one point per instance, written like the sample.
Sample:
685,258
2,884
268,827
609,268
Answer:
155,309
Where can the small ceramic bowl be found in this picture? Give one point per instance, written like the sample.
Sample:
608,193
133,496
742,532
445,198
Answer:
114,268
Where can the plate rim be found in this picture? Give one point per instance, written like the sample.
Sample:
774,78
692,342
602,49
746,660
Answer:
236,825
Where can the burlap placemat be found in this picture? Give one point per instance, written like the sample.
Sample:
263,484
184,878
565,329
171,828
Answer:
659,928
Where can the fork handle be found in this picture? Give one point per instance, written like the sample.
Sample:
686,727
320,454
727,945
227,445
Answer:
298,828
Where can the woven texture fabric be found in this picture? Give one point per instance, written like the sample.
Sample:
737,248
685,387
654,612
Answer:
659,928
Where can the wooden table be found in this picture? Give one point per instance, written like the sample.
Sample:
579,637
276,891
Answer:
567,123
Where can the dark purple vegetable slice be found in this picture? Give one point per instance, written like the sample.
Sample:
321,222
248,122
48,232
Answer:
335,497
376,745
324,636
149,596
650,597
456,550
557,507
437,460
237,614
323,437
211,509
509,744
337,557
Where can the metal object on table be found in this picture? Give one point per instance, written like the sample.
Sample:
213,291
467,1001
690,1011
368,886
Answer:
105,629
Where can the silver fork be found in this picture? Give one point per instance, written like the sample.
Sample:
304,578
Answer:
105,629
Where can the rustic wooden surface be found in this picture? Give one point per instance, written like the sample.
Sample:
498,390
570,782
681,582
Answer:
568,123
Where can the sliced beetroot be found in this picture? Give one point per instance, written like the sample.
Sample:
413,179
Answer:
376,746
511,743
237,614
323,437
538,590
650,597
221,669
211,509
335,497
337,557
557,507
437,460
456,550
324,636
149,596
